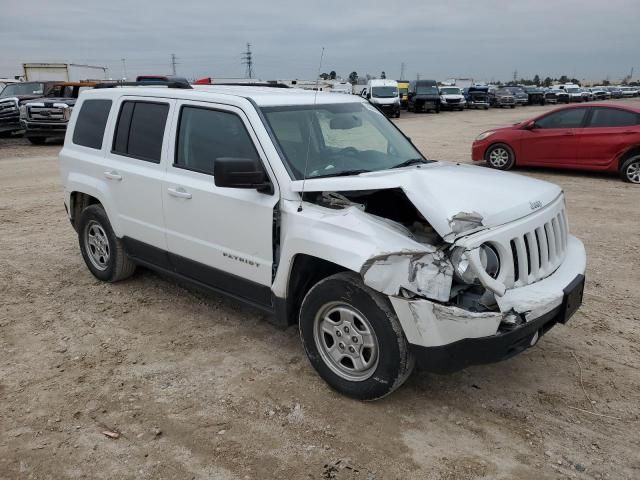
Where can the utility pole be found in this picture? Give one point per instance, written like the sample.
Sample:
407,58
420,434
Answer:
417,76
247,59
124,69
515,76
173,63
402,71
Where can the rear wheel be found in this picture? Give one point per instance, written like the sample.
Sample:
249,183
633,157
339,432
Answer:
102,251
630,170
500,156
353,338
37,140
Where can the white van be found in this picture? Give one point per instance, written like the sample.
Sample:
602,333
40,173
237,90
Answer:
384,95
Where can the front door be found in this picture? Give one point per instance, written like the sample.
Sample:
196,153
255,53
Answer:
554,140
222,237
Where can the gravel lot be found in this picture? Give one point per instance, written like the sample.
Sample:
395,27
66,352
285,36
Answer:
201,387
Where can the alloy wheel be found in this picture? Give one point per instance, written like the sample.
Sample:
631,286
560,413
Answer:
346,341
499,157
633,171
97,245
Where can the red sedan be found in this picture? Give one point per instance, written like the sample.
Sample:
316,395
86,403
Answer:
600,137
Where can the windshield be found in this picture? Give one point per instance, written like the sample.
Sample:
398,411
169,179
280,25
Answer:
23,89
572,90
403,90
384,92
338,138
426,90
450,91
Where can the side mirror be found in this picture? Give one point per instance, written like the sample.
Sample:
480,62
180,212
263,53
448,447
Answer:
530,125
232,172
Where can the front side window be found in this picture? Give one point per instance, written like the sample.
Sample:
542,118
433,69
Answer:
613,117
91,123
140,130
384,92
569,118
337,139
205,134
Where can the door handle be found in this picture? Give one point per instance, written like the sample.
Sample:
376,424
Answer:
113,175
178,192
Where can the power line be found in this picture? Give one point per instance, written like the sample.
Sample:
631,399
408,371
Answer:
247,59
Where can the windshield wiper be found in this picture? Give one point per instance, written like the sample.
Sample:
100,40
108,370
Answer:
342,173
411,161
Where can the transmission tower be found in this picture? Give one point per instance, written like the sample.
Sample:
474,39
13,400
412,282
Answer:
173,63
402,71
247,59
515,76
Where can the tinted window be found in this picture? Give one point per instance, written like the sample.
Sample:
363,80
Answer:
613,117
204,135
569,118
140,130
91,122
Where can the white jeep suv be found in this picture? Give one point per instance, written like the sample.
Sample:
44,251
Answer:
317,209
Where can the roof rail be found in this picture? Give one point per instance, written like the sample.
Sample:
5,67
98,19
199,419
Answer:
168,81
253,84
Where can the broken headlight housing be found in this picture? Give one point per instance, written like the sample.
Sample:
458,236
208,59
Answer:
489,260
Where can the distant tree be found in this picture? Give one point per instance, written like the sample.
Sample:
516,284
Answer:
536,79
353,78
547,82
369,77
563,79
383,75
332,74
606,83
575,80
324,76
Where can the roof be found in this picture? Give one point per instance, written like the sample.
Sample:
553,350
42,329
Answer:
262,96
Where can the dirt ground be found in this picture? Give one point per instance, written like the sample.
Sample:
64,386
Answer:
201,387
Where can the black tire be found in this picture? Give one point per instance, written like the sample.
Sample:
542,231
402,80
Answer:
397,114
393,362
630,169
37,140
512,106
116,265
415,108
486,107
500,161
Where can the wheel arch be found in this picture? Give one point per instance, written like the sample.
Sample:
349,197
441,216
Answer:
629,152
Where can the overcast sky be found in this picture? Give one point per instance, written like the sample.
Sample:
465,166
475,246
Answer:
483,39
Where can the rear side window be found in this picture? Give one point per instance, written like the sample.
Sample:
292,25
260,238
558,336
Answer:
204,135
91,122
140,130
568,118
613,117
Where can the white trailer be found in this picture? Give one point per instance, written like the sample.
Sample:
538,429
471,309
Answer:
64,72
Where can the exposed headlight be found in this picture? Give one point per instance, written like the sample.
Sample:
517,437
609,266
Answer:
23,111
489,260
67,113
484,135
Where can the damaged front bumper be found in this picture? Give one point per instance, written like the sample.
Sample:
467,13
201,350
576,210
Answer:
446,338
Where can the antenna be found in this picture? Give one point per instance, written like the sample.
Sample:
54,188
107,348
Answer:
306,161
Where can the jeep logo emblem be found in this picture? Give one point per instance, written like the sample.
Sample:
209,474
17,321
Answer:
536,204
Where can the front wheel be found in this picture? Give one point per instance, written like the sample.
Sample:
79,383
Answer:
630,170
37,140
500,156
102,251
353,338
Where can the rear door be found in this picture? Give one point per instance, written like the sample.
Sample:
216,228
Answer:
554,141
608,133
136,168
222,237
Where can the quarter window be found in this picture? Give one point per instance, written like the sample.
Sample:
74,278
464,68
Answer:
91,123
613,117
205,134
140,130
569,118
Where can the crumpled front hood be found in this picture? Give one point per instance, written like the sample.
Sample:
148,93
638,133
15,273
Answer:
444,192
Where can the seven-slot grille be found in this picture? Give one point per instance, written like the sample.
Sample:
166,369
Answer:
47,114
453,100
538,253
